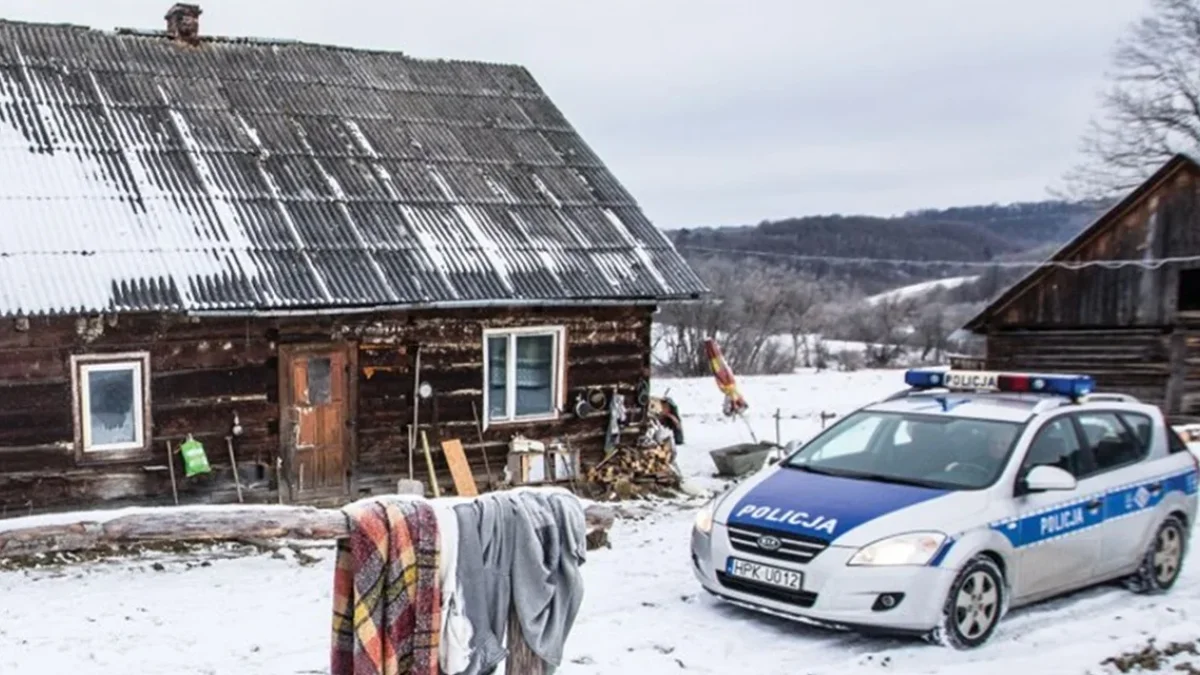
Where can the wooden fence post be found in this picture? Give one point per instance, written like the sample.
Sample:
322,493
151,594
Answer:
521,659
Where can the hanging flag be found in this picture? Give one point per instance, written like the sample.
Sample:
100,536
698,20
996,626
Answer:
734,403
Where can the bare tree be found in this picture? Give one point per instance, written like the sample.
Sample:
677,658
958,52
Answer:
884,327
799,317
1151,110
743,315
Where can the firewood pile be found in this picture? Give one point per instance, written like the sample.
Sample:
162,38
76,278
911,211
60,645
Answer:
631,471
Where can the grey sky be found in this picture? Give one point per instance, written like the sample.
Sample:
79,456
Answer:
733,111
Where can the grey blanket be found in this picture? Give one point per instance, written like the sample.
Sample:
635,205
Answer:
521,551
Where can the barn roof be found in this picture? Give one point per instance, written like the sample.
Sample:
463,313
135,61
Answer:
138,173
1109,219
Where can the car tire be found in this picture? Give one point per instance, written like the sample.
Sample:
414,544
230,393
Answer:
977,601
1162,560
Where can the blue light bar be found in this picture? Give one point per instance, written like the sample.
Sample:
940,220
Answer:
1059,384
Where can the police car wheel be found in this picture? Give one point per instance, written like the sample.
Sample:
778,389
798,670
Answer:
1163,558
973,606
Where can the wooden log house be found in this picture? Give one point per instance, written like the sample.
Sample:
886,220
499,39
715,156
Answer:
277,243
1136,330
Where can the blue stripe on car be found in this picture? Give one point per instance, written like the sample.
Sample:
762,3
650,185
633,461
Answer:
1074,516
823,507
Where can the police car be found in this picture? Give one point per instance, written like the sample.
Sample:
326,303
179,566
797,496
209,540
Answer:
933,512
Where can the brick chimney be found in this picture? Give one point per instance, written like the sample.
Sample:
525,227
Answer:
183,22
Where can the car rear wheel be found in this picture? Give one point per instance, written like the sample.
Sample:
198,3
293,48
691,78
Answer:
1163,558
974,605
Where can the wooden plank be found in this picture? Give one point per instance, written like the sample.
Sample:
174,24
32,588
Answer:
460,470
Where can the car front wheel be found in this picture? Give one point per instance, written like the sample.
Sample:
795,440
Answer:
973,606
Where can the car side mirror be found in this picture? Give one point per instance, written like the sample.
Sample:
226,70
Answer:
1048,479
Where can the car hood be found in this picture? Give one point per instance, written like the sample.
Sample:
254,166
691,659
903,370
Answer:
842,511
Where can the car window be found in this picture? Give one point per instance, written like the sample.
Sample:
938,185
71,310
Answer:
1111,444
1056,444
853,437
1141,425
1175,442
944,451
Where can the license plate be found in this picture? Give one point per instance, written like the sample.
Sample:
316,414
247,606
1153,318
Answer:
764,574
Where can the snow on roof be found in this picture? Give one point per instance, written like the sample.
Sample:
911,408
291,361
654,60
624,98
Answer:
139,174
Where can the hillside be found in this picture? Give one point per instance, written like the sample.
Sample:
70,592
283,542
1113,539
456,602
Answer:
971,233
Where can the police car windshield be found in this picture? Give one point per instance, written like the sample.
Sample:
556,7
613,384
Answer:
954,453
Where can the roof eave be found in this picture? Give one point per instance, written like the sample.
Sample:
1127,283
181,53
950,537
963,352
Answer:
442,305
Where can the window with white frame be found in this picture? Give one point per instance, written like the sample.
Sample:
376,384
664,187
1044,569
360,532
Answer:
522,373
111,396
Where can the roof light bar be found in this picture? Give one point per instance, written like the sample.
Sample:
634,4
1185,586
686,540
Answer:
1059,384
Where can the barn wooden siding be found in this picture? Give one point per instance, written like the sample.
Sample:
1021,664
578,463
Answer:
1131,361
203,370
1162,224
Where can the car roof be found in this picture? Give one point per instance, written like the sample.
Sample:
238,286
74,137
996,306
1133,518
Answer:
1001,407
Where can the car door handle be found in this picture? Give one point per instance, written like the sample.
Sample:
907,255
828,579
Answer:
1093,505
1155,488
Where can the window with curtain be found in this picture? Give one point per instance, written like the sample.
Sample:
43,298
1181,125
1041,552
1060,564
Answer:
522,373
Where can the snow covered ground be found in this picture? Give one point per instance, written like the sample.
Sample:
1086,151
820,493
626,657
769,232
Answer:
259,614
919,289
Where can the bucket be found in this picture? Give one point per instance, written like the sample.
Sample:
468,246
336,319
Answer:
741,459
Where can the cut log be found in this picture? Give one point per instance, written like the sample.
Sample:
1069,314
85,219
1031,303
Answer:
94,530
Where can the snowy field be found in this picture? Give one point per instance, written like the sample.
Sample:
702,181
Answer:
265,614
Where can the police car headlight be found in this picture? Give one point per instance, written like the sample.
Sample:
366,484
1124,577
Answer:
914,548
704,517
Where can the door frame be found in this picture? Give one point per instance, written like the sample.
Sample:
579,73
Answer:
287,480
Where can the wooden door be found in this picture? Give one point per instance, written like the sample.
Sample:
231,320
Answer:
315,398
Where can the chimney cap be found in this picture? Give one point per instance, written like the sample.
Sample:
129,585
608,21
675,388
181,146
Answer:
185,9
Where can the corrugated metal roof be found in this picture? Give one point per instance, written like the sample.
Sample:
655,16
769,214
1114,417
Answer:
140,174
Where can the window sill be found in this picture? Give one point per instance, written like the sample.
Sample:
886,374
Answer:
530,419
106,457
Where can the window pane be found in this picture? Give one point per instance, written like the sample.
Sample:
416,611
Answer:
111,404
497,376
535,374
1111,444
1056,445
1141,426
319,381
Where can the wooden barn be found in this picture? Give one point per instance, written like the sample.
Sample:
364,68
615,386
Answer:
292,253
1136,329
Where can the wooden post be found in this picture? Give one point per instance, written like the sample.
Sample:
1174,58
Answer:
171,468
521,659
1176,384
778,435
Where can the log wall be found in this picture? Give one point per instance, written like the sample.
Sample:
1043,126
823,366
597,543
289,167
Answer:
202,371
1129,361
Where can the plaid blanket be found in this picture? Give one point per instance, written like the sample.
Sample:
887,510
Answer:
386,595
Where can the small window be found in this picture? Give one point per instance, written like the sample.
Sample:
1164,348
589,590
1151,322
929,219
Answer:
522,373
112,405
1175,442
1056,444
1188,299
1111,443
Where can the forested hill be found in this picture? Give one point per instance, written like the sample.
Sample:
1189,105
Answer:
968,233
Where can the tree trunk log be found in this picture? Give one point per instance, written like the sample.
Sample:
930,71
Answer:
521,659
93,530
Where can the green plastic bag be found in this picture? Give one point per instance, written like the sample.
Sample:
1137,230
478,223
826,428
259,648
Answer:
195,462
